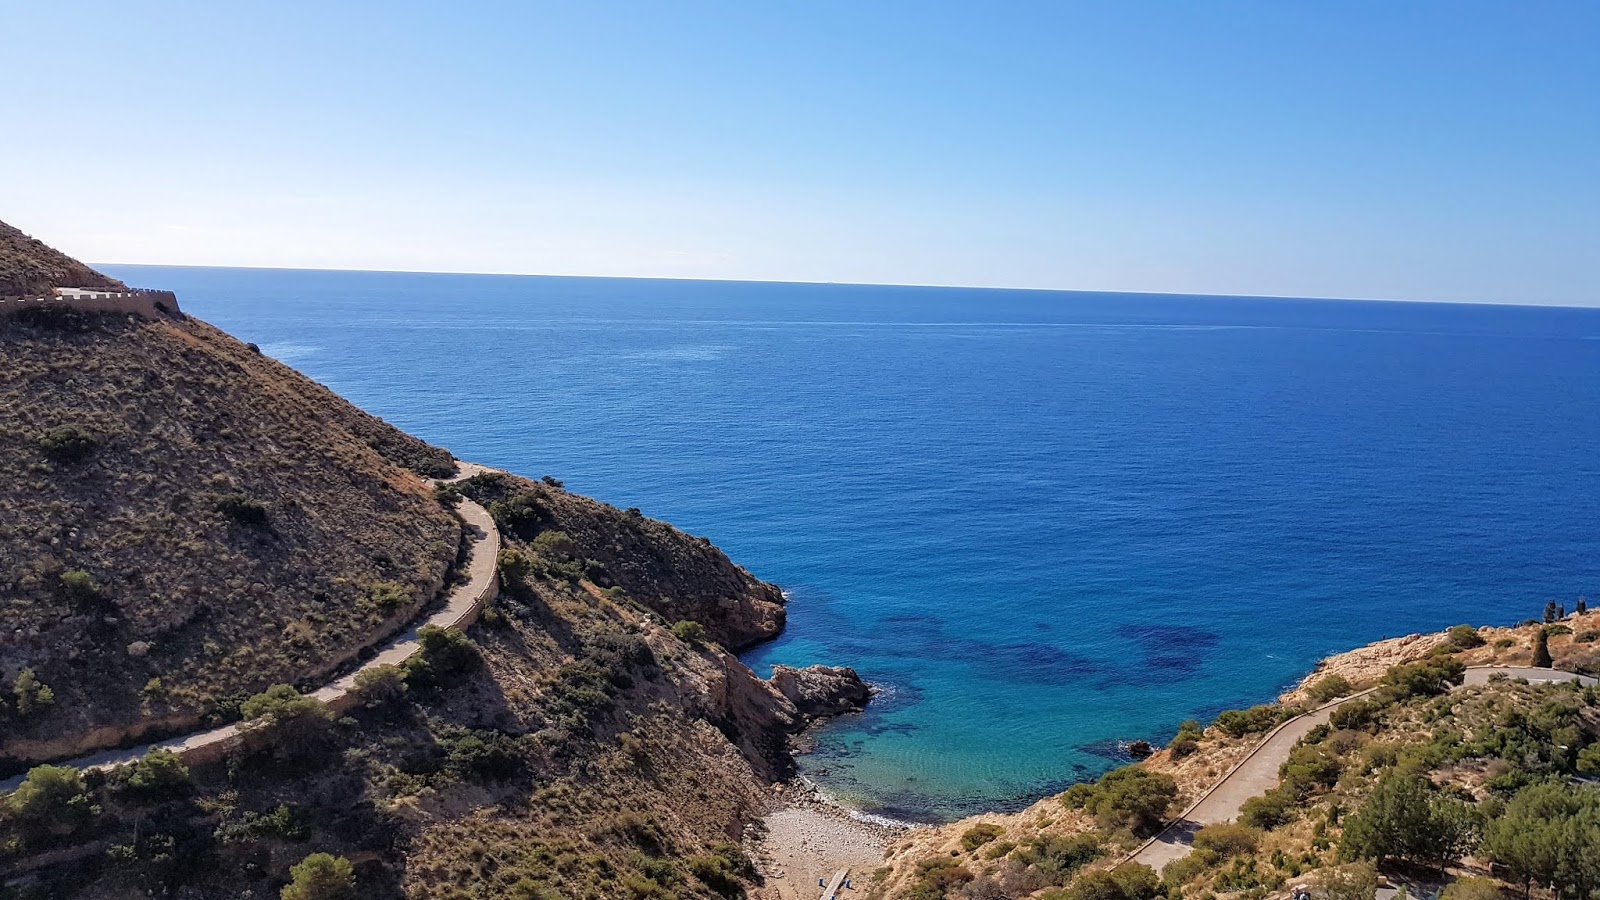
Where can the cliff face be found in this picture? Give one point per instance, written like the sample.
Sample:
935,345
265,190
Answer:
30,268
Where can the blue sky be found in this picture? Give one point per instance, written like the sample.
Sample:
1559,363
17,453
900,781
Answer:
1431,151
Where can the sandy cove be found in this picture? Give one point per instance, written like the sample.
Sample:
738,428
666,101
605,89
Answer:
810,837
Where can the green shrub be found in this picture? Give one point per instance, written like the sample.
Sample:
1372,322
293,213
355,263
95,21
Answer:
1130,797
1183,746
514,568
937,878
1226,840
282,824
1503,643
1472,888
243,510
388,596
1330,687
380,685
1058,856
723,869
32,695
80,587
1078,796
1548,834
1187,740
1356,714
1256,719
1585,637
158,775
999,849
1182,871
1464,637
1132,882
321,876
1268,811
1422,679
689,632
68,444
1405,818
50,802
520,514
980,834
1352,882
1588,762
1310,768
446,654
292,724
483,755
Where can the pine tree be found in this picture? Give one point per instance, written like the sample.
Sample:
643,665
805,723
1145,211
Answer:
321,876
1583,606
1550,612
1541,650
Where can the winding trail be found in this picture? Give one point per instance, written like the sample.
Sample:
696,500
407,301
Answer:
1257,773
461,608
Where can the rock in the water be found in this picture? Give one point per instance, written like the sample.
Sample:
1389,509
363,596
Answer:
821,691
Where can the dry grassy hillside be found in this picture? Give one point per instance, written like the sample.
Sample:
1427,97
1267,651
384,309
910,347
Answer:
31,268
575,744
184,521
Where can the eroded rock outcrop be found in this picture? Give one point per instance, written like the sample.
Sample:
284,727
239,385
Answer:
819,692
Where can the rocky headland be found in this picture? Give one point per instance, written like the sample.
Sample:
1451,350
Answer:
195,534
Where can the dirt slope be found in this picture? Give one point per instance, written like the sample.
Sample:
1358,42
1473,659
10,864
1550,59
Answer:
30,268
184,521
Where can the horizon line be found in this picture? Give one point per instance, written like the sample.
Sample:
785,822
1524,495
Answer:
882,284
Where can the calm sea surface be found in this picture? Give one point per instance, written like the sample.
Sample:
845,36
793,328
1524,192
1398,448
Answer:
1042,522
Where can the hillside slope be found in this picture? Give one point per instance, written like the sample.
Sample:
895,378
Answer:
30,268
188,528
184,521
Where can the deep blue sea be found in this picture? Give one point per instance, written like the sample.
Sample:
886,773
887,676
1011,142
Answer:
1041,522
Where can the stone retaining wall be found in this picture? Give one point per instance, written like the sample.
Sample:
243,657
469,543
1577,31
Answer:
134,301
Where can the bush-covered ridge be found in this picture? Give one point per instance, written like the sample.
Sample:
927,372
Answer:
184,521
1481,787
679,577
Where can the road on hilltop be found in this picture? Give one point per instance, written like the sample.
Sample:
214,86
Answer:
1257,773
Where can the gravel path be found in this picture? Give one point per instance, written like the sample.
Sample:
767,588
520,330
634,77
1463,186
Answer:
1257,773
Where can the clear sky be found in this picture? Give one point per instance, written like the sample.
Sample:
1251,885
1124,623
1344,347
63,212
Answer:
1423,150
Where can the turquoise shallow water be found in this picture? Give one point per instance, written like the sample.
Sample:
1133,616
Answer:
1042,522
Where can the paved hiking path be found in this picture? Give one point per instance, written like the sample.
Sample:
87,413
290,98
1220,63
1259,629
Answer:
1257,773
461,608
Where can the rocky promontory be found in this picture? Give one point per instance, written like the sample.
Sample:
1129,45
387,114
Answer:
819,692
